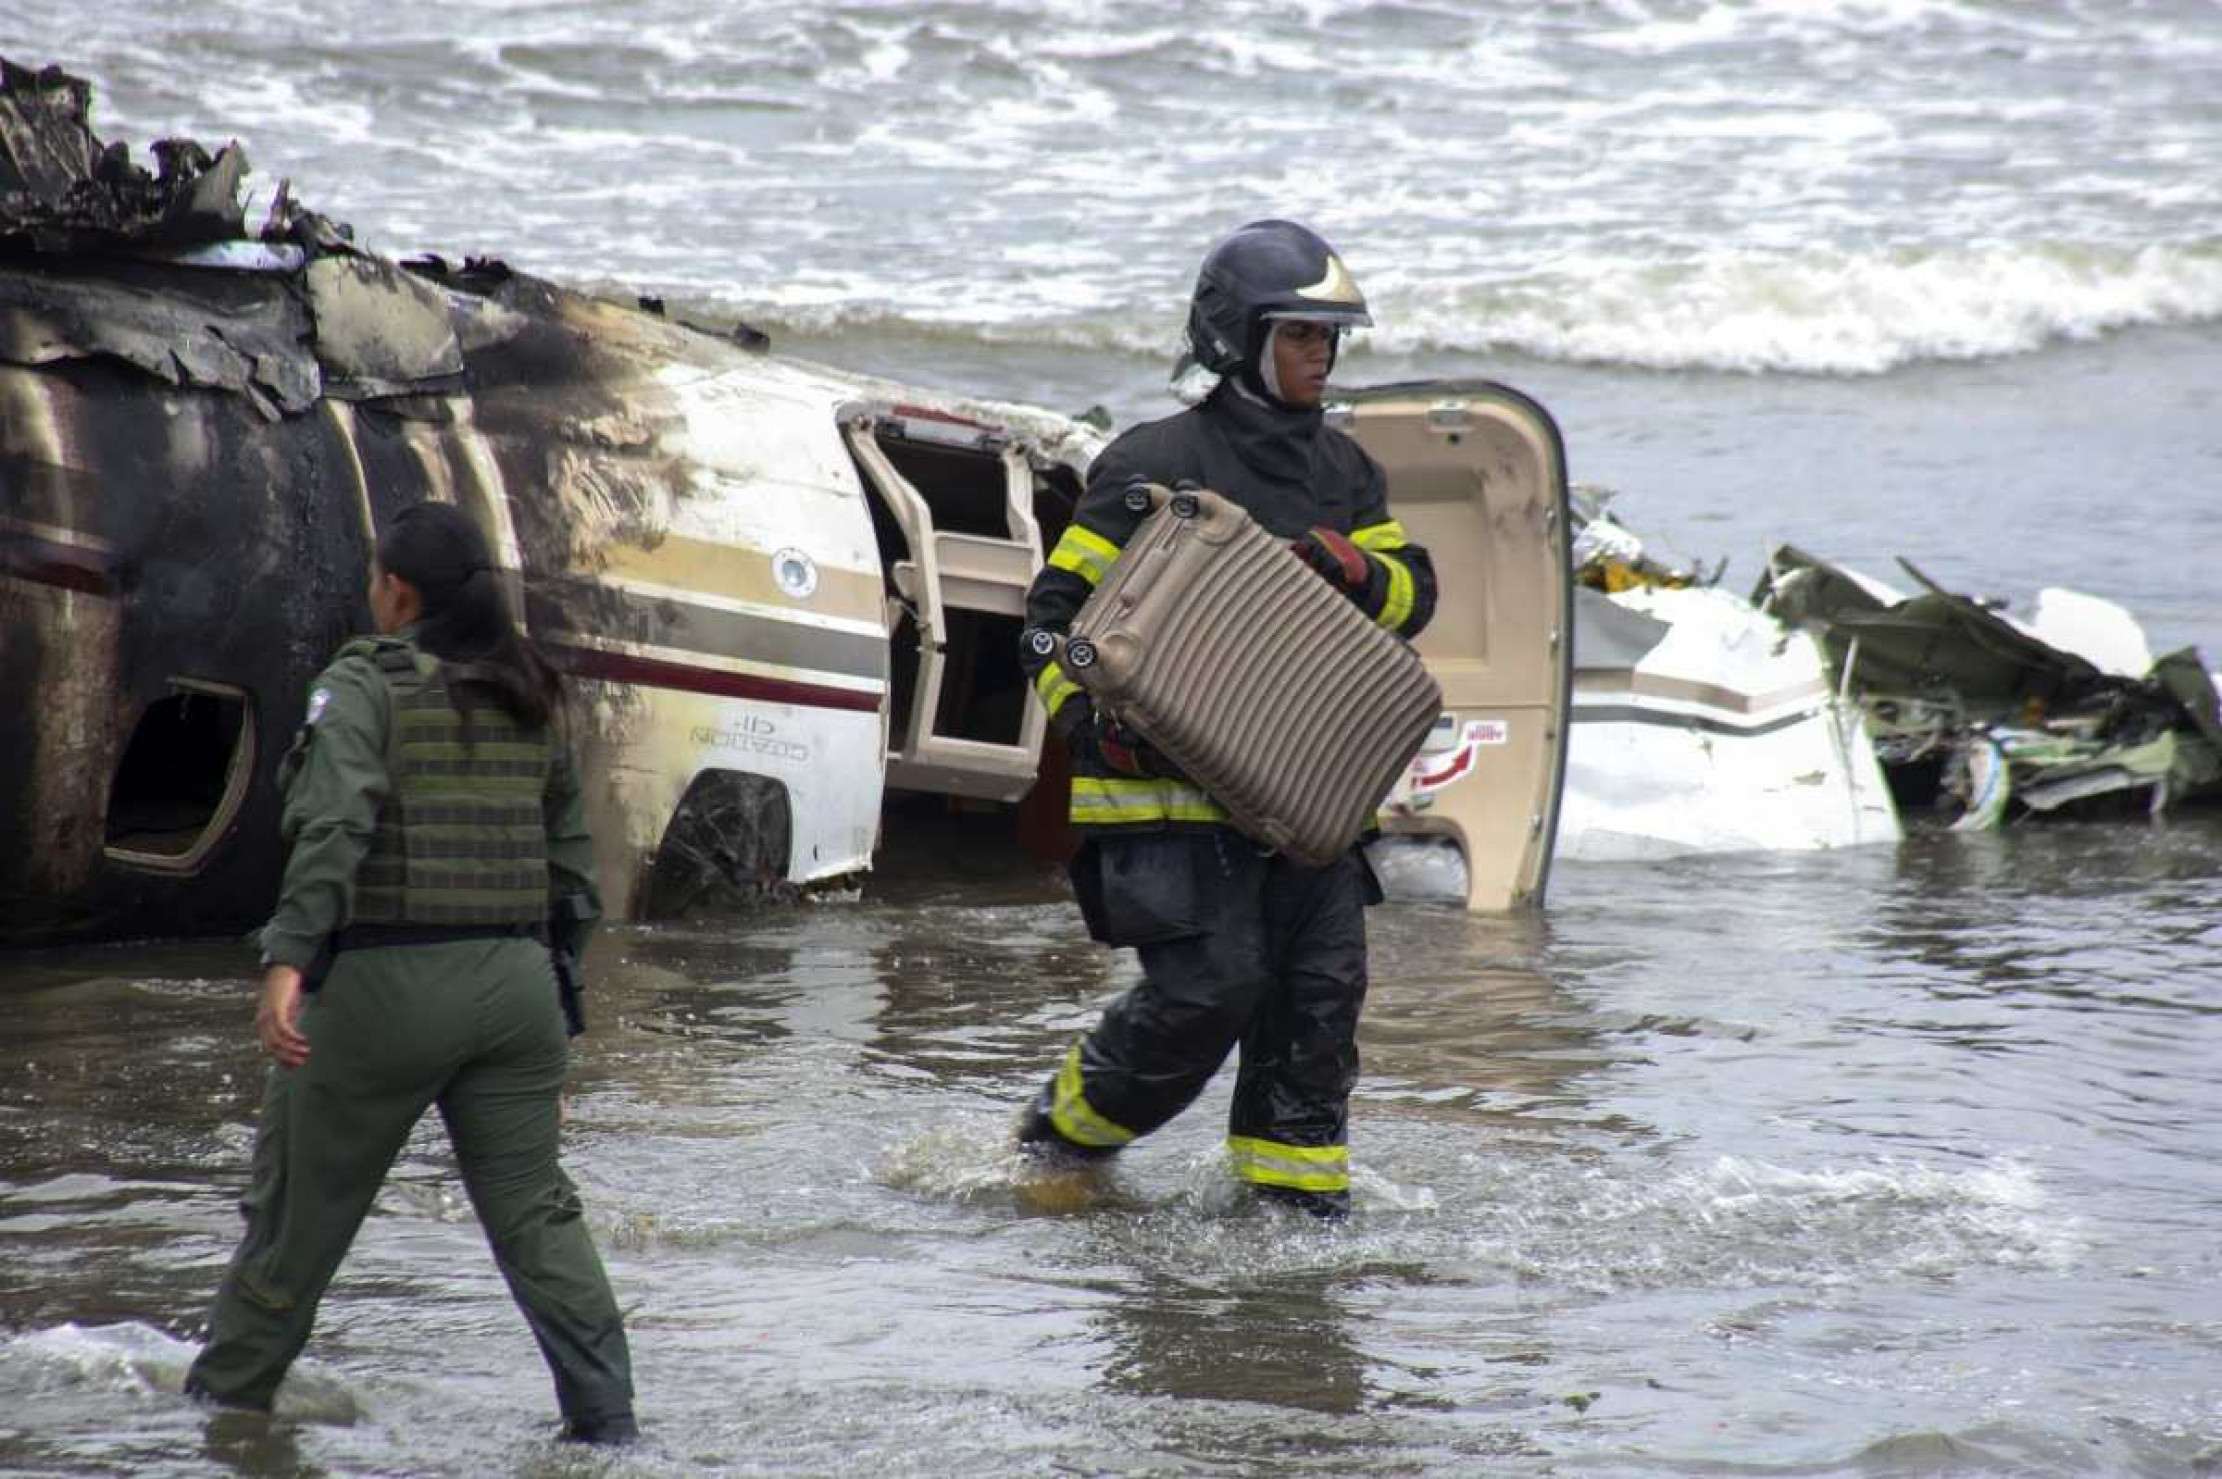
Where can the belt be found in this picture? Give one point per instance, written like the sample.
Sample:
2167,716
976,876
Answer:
383,936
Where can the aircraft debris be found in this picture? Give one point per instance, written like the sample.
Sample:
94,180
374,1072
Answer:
1985,719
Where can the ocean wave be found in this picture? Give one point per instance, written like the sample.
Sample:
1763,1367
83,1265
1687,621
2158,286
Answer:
1802,314
1652,29
1825,314
1804,186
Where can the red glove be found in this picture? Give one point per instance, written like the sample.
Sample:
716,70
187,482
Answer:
1334,557
1124,750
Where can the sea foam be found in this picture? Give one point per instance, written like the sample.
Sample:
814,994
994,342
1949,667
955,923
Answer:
1820,313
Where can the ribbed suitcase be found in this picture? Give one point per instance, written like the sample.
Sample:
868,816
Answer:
1263,683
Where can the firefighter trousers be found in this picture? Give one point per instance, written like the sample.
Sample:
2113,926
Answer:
473,1027
1236,946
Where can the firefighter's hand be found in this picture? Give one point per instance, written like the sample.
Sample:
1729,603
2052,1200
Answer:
1339,561
1125,751
278,1019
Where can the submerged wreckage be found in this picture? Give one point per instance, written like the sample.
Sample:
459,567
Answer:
1979,718
786,593
1830,708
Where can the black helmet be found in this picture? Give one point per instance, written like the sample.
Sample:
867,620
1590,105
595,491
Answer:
1263,271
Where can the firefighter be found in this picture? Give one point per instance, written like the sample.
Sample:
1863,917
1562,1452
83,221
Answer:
1237,945
433,821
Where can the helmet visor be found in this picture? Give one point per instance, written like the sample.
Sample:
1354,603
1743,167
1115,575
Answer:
1352,317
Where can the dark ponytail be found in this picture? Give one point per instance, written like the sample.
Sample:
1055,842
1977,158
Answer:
466,621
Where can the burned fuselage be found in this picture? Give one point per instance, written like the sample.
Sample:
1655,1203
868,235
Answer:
781,592
200,439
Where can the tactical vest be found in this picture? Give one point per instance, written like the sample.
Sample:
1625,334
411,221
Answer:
461,837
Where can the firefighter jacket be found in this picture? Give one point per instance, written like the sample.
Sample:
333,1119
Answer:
1292,473
397,811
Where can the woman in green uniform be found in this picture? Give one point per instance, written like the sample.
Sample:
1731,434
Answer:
433,821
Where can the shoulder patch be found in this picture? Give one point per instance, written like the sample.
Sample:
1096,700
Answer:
320,698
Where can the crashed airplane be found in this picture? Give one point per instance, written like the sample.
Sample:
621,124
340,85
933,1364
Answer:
785,593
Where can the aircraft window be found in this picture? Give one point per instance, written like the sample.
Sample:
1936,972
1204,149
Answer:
182,778
966,489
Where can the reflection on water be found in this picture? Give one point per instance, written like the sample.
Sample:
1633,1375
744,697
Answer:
1462,1016
1887,1161
1288,1343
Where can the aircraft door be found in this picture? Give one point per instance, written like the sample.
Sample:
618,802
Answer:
954,504
1477,474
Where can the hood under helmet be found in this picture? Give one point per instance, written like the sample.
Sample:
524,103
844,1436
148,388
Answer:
1252,278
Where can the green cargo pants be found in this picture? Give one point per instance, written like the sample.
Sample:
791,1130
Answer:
472,1026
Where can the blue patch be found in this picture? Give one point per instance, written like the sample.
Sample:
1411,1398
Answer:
318,699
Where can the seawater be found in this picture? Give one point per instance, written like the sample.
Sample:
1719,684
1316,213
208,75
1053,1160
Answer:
1821,185
1891,1161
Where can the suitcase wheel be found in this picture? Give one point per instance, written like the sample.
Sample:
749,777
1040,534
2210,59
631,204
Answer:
1080,653
1185,506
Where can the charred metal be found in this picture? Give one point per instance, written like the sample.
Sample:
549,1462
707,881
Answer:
789,597
201,429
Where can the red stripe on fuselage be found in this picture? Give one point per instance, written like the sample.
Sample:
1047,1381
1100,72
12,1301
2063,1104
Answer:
47,563
649,672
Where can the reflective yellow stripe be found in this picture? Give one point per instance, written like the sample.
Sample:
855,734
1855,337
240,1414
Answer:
1304,1167
1398,608
1084,552
1054,687
1108,800
1071,1114
1387,535
1310,1155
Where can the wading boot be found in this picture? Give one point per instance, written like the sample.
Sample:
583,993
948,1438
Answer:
614,1430
1326,1206
196,1392
1056,1176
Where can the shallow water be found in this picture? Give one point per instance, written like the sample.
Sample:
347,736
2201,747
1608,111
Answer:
1885,1161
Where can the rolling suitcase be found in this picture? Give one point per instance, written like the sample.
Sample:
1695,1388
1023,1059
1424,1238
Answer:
1261,681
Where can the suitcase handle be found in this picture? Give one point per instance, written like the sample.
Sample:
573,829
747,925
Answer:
1146,571
1150,563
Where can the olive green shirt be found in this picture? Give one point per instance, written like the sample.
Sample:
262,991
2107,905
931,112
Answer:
334,782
